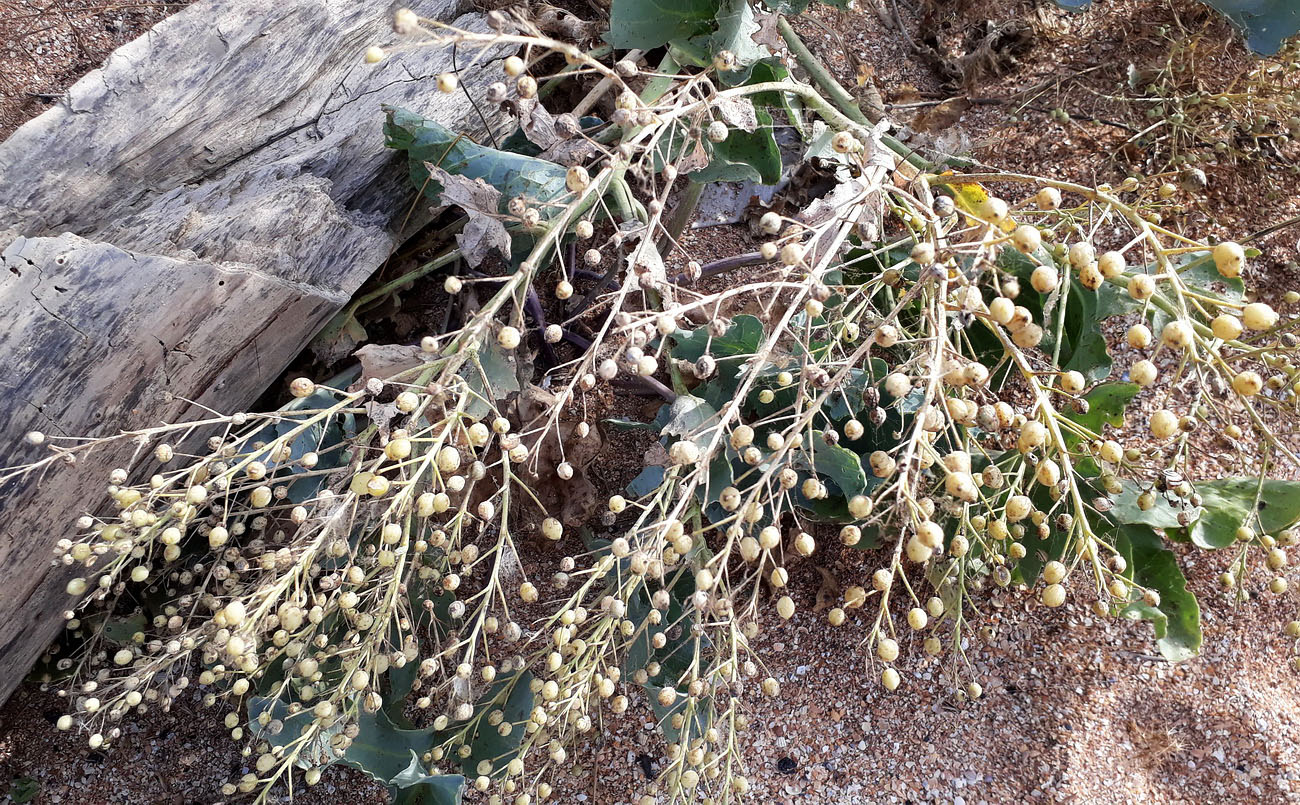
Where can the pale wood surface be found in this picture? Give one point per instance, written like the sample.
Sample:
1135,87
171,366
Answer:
178,227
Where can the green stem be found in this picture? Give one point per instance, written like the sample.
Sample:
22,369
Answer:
845,103
388,287
821,76
549,86
685,208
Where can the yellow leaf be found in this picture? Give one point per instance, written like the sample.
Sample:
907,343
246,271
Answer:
970,197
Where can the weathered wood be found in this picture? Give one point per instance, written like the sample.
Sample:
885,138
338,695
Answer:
177,228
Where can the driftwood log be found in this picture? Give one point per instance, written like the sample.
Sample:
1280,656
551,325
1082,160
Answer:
176,229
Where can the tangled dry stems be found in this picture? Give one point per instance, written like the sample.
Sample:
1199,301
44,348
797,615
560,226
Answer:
903,374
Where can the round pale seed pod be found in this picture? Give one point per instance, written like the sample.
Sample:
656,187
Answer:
1258,316
1143,372
1164,424
923,253
1053,595
1073,382
1248,383
1028,337
890,679
1027,238
887,649
508,337
1177,334
785,607
1082,254
917,551
994,210
1111,264
1229,258
1002,310
1018,508
1138,336
1141,287
1091,277
1044,279
930,534
1226,327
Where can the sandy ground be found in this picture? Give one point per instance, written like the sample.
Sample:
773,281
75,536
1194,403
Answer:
1074,710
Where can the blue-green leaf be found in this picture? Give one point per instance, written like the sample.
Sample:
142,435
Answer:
647,24
1177,619
540,182
744,156
1228,503
435,789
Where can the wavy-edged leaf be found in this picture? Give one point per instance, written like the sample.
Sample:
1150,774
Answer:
285,727
731,350
328,437
1106,404
1127,511
768,71
674,657
840,465
647,24
481,202
433,789
1177,620
1228,503
492,377
514,698
736,27
647,481
121,630
426,141
387,752
688,416
744,156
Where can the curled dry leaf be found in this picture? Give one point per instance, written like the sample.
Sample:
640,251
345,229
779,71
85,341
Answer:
381,416
768,34
656,456
828,592
643,257
695,159
574,151
829,206
556,21
555,135
387,360
481,202
737,113
576,499
538,124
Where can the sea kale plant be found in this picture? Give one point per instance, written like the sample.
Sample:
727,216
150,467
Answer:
409,569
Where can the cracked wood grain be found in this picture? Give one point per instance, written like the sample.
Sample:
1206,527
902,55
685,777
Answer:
178,227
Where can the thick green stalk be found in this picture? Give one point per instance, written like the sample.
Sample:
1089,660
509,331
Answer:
821,76
845,103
